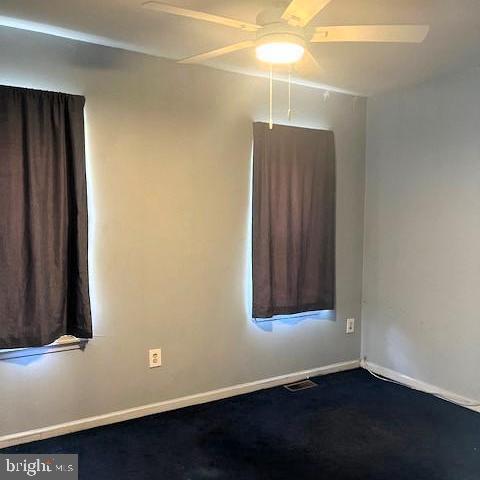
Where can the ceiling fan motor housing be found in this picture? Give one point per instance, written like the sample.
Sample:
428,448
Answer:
281,32
276,30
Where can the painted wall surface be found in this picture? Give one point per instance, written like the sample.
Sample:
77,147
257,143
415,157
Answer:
422,246
169,164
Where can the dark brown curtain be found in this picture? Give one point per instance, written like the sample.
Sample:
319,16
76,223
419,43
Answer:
43,218
293,220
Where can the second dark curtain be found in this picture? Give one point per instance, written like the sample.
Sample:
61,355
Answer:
293,220
43,218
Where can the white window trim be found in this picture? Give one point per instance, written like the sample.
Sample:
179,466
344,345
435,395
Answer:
63,344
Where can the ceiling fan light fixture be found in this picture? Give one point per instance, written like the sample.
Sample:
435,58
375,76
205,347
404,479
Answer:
280,52
280,48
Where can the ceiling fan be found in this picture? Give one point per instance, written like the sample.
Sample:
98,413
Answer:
283,32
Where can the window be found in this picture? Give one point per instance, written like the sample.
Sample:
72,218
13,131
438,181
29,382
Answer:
293,224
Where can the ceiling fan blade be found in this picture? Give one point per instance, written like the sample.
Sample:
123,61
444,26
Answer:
217,53
301,12
207,17
372,33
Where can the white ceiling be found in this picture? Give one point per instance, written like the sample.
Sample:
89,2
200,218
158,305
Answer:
453,42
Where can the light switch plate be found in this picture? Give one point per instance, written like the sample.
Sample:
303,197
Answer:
155,357
350,325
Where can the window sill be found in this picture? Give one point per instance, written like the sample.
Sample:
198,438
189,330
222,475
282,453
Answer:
63,344
313,315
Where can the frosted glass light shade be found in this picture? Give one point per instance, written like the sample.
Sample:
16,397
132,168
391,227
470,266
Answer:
279,52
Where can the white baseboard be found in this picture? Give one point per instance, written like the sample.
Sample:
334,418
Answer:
420,385
141,411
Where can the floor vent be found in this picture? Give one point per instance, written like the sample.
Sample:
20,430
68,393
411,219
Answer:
303,385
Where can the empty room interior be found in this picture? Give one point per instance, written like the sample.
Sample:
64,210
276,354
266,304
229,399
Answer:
240,239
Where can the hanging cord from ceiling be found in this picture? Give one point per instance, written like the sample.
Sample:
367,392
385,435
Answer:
270,123
290,110
290,93
435,394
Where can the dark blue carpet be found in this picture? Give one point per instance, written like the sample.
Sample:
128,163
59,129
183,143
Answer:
352,426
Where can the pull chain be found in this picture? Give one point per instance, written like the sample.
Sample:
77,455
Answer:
290,93
271,97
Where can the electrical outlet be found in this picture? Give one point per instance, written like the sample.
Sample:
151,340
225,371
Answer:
350,325
155,357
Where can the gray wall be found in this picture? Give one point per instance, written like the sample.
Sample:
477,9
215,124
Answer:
169,151
422,247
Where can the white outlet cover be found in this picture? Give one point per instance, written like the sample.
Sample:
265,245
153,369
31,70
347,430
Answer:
350,325
155,357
